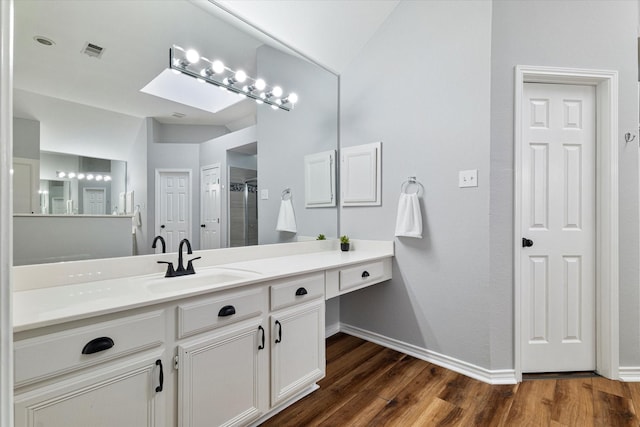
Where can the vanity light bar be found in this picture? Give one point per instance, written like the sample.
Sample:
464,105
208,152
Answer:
88,176
190,62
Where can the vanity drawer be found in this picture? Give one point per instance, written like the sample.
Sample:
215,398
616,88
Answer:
296,290
206,314
58,353
363,274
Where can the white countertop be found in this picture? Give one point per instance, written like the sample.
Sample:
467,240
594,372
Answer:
33,308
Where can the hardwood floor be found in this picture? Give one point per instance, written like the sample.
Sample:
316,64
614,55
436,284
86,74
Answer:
369,385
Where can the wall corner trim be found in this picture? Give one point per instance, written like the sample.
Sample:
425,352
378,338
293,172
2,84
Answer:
493,377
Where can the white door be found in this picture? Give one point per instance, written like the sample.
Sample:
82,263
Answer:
93,201
210,207
26,175
173,207
558,223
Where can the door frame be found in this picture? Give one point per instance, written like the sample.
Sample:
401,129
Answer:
156,226
606,276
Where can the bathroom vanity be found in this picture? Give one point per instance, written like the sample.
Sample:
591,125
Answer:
231,345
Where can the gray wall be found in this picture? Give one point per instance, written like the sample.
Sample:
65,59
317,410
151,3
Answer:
421,86
284,138
595,34
452,291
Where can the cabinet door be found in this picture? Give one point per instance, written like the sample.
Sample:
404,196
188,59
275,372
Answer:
222,377
297,349
123,395
360,175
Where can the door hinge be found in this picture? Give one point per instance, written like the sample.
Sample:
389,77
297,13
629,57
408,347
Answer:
176,358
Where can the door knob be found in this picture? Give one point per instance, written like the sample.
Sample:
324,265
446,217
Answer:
162,226
527,243
202,225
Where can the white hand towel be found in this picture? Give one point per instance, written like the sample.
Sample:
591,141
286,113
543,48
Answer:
286,217
409,221
136,219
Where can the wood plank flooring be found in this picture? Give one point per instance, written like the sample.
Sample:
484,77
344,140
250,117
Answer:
370,385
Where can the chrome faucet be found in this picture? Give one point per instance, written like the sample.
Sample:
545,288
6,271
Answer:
181,271
164,245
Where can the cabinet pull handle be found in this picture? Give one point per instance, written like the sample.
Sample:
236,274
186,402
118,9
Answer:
98,344
365,274
279,325
301,291
159,388
227,310
261,346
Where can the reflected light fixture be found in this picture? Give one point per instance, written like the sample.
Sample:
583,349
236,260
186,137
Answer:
81,176
191,63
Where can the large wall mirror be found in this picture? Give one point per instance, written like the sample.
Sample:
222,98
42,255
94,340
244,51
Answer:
92,81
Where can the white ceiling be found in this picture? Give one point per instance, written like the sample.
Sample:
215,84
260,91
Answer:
137,34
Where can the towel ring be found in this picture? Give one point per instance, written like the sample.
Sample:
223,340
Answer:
285,192
411,180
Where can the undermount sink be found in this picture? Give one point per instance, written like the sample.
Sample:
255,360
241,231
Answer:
203,278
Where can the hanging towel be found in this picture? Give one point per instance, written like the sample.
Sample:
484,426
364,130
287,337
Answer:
409,221
137,217
286,217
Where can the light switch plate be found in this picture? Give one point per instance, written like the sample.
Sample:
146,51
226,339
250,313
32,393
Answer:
468,178
264,194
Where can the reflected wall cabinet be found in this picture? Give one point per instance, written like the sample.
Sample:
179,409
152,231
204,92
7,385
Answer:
360,175
319,179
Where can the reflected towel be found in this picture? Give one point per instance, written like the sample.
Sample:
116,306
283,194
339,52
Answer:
137,217
409,221
286,217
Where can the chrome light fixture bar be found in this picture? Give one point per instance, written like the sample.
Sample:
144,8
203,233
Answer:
190,62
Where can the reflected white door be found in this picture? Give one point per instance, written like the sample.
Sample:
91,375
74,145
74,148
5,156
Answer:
210,207
558,221
173,207
93,201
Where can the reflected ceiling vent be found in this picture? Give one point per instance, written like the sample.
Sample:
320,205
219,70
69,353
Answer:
45,41
178,115
93,50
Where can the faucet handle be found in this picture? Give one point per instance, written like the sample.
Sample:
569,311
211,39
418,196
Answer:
170,271
190,264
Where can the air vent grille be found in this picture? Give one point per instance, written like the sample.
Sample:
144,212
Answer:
93,50
178,115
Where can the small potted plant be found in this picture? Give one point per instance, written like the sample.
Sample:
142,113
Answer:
344,243
321,237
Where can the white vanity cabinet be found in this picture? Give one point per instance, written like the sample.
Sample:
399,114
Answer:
223,373
297,335
106,374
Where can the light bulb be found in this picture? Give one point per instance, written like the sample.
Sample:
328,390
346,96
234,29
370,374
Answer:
217,66
80,176
89,177
293,98
277,91
72,175
61,174
263,95
260,84
240,76
192,56
98,177
107,178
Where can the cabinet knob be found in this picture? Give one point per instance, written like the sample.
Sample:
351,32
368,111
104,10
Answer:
98,344
227,310
301,291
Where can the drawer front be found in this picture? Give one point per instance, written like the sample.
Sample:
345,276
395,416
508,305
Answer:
206,314
362,274
297,290
46,356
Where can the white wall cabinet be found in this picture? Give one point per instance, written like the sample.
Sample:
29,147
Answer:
361,175
223,377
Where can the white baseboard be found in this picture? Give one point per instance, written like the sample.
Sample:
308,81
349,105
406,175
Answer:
630,374
331,330
494,377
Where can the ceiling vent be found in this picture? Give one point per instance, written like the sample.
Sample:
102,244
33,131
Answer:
178,115
93,50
